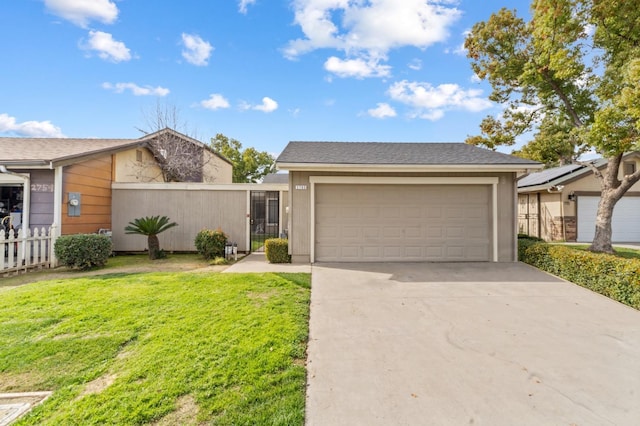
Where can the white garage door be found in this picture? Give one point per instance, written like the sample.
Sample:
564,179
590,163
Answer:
625,223
366,223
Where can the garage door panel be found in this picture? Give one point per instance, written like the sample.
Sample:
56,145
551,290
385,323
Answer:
625,223
402,222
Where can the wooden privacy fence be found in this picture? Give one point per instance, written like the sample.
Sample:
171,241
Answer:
26,249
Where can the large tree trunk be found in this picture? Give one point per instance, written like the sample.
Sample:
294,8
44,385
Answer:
602,239
154,246
612,190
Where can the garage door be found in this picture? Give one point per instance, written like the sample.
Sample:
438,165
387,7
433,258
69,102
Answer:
625,223
367,223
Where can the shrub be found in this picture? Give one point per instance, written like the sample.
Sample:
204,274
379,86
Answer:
609,275
210,243
151,226
277,250
83,251
220,261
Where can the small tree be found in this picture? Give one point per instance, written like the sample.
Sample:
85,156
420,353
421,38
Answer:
150,226
179,160
249,165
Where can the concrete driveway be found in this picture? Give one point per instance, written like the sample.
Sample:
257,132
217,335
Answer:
467,344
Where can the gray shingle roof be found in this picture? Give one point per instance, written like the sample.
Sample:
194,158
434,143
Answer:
44,150
52,149
394,153
276,178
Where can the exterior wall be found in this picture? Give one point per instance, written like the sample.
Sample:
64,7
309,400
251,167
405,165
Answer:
92,179
127,168
194,209
300,211
216,170
41,206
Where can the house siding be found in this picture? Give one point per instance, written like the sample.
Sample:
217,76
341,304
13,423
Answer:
92,179
42,198
127,168
300,213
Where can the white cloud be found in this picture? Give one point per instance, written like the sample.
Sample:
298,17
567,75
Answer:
196,51
268,105
475,79
374,27
34,129
358,68
215,101
430,102
107,48
81,12
383,110
242,6
136,90
415,64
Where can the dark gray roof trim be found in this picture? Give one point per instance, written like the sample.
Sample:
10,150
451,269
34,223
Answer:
394,153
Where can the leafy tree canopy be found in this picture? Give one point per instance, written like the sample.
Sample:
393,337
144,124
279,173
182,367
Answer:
249,165
570,75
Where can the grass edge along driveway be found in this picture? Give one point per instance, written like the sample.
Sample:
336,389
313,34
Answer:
162,348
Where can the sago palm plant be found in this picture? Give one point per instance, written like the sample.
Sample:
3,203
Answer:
150,226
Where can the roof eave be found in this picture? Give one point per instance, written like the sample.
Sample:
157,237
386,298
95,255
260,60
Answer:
332,167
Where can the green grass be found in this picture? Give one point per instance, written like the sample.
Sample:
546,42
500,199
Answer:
627,253
179,348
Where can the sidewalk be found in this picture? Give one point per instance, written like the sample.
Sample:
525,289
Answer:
257,262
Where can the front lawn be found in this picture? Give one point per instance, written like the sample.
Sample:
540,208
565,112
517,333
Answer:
163,348
627,253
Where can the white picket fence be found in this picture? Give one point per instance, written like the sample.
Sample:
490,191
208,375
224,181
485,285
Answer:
26,250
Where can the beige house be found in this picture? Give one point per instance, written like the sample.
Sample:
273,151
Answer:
386,202
560,204
69,181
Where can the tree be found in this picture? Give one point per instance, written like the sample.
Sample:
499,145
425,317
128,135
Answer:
572,74
249,165
150,226
178,160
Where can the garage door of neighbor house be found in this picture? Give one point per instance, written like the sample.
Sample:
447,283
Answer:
367,223
625,224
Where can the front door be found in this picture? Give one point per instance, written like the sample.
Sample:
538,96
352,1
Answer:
265,217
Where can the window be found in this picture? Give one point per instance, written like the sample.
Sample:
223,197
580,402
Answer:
628,168
138,156
272,211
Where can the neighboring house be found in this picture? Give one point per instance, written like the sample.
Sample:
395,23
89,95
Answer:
69,181
560,204
379,202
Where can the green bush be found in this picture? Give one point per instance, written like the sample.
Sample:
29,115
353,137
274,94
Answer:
210,243
277,250
83,251
609,275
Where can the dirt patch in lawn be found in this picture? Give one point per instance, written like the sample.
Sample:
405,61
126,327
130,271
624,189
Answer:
98,385
186,413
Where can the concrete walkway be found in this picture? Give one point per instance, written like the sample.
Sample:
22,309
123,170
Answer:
461,344
257,262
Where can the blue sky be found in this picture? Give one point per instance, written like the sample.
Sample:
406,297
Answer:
261,71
